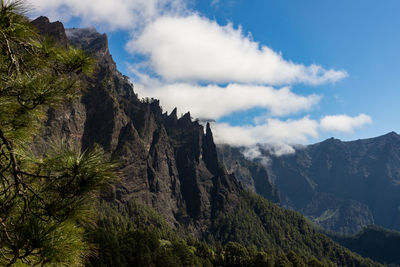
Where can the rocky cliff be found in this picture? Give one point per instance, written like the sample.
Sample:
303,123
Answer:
167,162
252,174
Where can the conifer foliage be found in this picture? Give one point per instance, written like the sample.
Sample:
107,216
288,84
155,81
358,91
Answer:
45,198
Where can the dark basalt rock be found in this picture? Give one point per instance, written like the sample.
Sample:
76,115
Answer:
167,163
251,174
54,30
94,43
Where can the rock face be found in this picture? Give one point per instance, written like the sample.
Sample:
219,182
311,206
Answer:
167,162
53,30
343,186
251,174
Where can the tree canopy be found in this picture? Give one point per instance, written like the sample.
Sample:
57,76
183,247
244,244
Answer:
44,197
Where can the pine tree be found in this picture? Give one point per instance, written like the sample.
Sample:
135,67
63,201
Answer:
45,199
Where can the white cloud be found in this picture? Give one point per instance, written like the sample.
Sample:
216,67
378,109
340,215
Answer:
214,102
187,48
273,131
258,151
280,137
254,152
251,152
194,48
114,14
344,123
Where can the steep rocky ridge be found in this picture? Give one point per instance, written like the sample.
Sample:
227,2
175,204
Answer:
251,174
168,163
171,164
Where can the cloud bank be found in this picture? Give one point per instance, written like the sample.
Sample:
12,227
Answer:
196,49
214,102
344,123
280,137
272,131
113,14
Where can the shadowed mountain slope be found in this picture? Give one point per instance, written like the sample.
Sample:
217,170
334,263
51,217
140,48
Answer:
251,174
377,243
343,186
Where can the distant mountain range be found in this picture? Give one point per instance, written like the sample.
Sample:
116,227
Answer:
252,174
342,186
374,242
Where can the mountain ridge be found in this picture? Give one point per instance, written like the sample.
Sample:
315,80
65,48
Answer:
342,185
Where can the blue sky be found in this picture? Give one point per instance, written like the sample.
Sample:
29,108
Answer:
360,36
356,43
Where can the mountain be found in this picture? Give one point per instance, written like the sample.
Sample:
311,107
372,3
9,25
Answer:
170,165
342,186
167,163
252,174
377,243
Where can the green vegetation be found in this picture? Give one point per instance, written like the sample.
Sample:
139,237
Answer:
257,221
45,198
135,235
